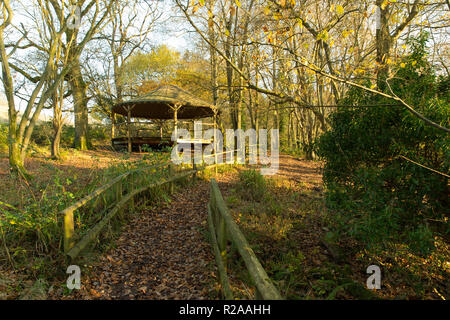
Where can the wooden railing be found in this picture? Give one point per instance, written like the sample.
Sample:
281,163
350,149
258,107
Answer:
121,191
223,228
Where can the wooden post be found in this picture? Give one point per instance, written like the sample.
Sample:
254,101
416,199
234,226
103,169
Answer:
175,121
69,231
119,193
131,177
194,167
219,226
113,125
222,238
215,143
129,130
224,281
258,295
170,176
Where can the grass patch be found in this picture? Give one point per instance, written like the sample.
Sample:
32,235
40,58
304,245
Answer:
283,223
292,233
31,227
252,185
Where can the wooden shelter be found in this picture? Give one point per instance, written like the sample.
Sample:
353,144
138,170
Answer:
167,102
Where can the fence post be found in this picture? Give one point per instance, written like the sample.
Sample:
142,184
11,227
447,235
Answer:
170,176
222,238
69,231
131,184
222,272
194,167
220,228
119,193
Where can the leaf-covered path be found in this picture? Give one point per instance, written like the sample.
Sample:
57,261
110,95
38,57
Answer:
161,254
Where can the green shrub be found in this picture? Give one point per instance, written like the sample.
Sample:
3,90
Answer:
67,136
33,228
252,185
99,133
378,196
421,239
43,134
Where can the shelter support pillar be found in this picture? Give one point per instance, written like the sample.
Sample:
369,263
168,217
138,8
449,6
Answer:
129,130
215,142
175,122
113,125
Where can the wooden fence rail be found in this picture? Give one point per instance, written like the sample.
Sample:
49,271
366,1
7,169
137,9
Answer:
131,183
93,232
223,228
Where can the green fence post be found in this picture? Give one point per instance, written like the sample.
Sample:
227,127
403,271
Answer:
69,231
170,176
131,184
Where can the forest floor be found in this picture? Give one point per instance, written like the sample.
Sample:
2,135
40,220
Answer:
82,168
30,233
163,251
287,228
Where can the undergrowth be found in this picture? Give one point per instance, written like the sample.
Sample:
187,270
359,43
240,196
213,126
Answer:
32,233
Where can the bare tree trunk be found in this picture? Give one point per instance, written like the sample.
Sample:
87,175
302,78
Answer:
294,131
229,70
289,132
56,142
117,79
256,106
383,44
238,105
15,159
57,126
213,55
79,88
309,154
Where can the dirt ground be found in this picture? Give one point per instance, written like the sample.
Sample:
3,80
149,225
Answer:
163,252
293,247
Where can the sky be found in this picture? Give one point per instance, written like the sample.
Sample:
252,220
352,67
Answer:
172,29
